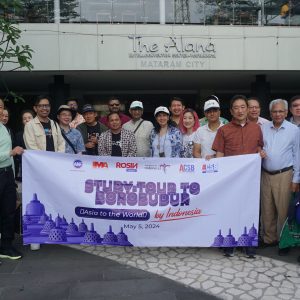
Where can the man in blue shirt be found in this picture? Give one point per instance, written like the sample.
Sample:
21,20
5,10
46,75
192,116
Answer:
8,195
280,170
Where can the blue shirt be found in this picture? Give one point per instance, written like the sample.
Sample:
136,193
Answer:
282,146
76,139
169,144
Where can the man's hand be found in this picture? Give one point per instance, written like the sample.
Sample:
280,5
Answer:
262,154
209,157
93,140
295,187
17,151
89,145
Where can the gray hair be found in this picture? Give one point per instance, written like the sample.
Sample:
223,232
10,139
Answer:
278,101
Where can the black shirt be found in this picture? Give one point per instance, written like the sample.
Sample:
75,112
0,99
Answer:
116,145
93,131
49,137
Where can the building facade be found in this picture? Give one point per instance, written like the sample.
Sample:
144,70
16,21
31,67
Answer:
155,49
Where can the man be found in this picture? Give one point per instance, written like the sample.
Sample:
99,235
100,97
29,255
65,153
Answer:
114,105
72,136
254,111
176,108
117,141
140,127
90,130
280,171
79,119
204,120
236,138
42,133
295,110
8,194
206,134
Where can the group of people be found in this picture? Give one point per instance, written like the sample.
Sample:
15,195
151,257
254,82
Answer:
177,131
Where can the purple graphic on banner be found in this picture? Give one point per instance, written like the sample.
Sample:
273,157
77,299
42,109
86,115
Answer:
249,239
39,228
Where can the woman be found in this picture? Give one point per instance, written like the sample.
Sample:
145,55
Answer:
188,124
26,116
165,139
116,141
72,136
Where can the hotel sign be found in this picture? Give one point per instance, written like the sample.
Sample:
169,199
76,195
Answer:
171,53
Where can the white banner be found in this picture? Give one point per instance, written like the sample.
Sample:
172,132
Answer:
127,201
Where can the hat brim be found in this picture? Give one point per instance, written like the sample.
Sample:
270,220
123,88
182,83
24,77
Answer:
161,111
89,110
213,107
136,107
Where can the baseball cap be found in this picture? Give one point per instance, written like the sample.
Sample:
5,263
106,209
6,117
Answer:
212,97
161,109
136,104
87,108
66,107
211,104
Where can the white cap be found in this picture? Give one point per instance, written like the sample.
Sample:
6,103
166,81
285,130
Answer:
211,104
136,104
161,109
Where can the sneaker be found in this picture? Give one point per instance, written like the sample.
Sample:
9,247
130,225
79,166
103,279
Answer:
250,252
35,247
267,245
228,252
10,253
284,251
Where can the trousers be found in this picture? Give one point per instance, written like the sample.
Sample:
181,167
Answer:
8,199
275,197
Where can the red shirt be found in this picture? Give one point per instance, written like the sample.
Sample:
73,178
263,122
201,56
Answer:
124,119
234,139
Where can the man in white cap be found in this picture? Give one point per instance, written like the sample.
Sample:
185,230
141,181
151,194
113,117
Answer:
206,134
140,127
203,121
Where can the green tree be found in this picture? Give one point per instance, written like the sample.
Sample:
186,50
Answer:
13,56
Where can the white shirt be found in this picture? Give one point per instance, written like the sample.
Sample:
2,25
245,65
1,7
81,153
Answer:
205,137
262,121
142,136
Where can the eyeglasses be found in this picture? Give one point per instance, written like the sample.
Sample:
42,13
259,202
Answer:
253,107
43,105
278,112
114,104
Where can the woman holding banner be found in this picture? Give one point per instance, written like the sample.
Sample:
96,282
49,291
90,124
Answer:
188,124
165,139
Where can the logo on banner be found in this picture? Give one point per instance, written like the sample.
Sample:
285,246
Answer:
100,165
187,168
209,168
130,167
77,163
157,167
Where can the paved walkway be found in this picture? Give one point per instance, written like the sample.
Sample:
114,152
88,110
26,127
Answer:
265,277
62,273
